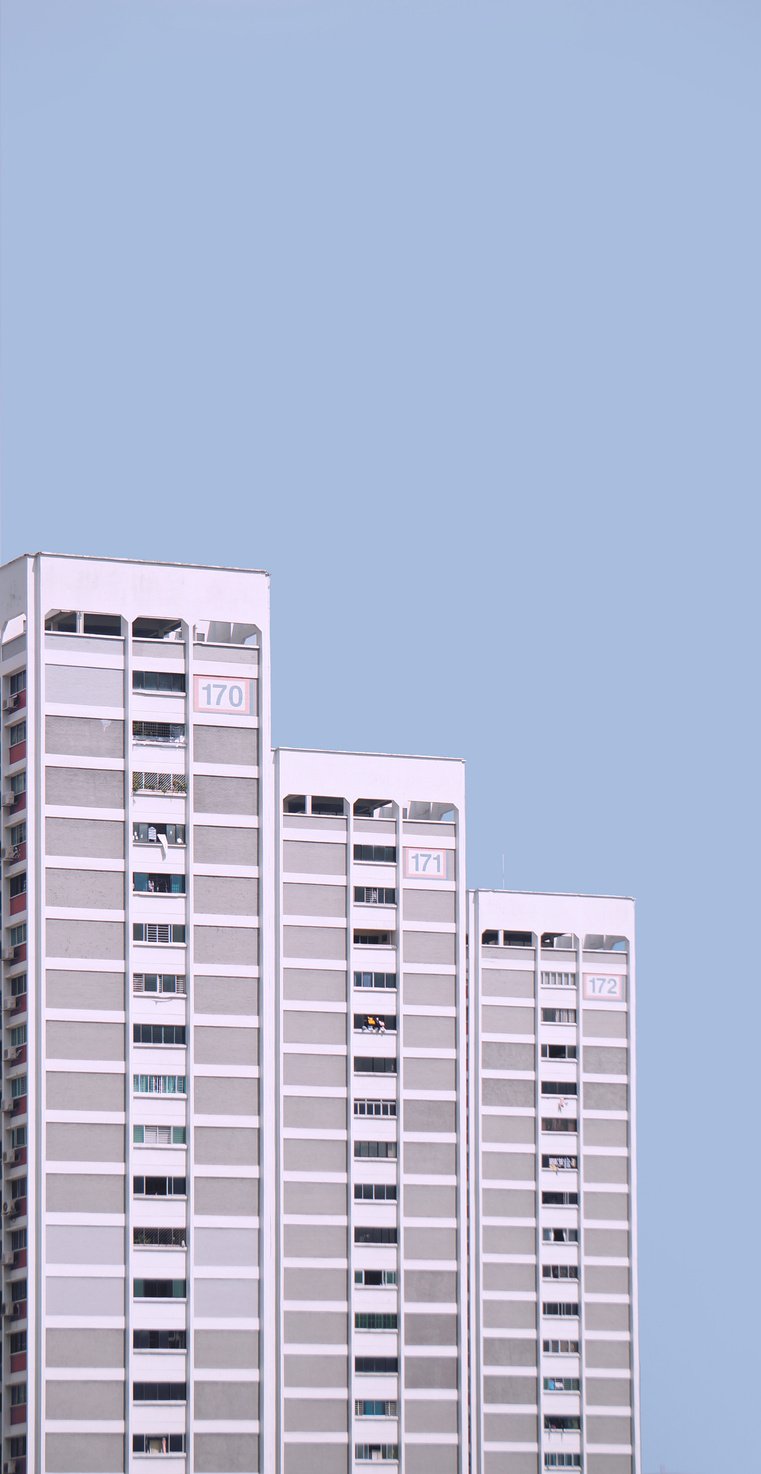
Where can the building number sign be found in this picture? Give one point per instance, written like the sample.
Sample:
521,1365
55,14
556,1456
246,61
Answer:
425,864
232,697
607,989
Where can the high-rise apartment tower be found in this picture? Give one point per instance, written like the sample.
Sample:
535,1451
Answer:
311,1159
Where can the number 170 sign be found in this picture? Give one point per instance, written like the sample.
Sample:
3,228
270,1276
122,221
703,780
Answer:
233,697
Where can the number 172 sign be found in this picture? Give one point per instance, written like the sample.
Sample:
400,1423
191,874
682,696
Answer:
234,696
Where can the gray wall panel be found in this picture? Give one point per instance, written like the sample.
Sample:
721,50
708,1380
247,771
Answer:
89,788
98,839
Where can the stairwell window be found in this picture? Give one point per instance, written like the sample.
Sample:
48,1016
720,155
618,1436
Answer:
560,1235
364,1065
170,834
560,1200
558,1015
560,1271
559,1309
375,1023
375,979
159,1084
560,1348
160,1238
377,1149
372,1407
164,1340
158,884
158,1443
159,1392
158,1033
375,1108
376,1365
159,1187
173,733
561,1384
143,782
373,939
363,1234
560,1123
377,854
159,982
375,1192
562,1422
376,1320
558,980
374,895
161,681
560,1164
376,1453
563,1461
159,1135
159,1289
559,1087
375,1279
159,934
558,1051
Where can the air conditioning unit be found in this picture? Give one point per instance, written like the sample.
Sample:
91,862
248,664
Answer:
9,1208
9,1003
9,703
10,1054
9,1258
9,798
9,954
7,1107
9,1157
5,1309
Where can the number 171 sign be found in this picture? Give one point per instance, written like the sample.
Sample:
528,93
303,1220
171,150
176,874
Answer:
234,696
425,864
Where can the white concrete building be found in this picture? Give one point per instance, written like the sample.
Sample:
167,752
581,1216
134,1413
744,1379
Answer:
259,1207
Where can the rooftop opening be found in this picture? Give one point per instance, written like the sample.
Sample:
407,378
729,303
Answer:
79,622
62,622
435,813
295,803
102,624
562,940
518,939
225,632
594,942
323,805
374,808
144,628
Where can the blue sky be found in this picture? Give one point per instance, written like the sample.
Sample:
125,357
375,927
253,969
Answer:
448,314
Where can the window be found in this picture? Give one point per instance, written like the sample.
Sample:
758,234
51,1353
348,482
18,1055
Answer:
18,1239
375,1149
560,1271
558,1015
18,1292
159,1187
17,834
378,854
561,1308
18,985
365,1235
158,1033
159,1084
375,1023
560,1164
153,628
159,1289
376,1320
18,784
161,934
17,1036
174,834
366,1065
561,1384
559,1123
158,1135
562,1422
560,1348
161,1443
18,1343
18,1087
158,680
558,1051
369,1407
374,1278
559,1087
375,1107
18,1394
159,782
159,1340
373,939
18,884
375,1192
18,1136
562,1461
374,895
173,732
560,1235
375,979
18,1446
159,1391
375,1365
560,1200
17,1186
158,884
558,980
17,682
159,982
17,935
373,1453
17,734
160,1238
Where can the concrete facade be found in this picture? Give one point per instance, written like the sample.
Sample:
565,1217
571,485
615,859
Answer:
311,1158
